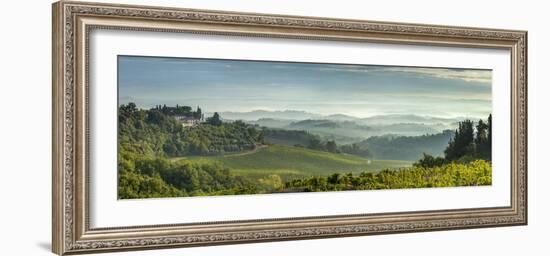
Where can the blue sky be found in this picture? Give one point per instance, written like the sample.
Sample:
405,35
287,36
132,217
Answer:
357,90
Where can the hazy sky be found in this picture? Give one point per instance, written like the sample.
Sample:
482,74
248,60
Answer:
358,90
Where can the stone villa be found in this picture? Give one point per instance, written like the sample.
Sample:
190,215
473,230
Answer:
188,121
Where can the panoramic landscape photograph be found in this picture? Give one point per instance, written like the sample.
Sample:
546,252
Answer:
212,127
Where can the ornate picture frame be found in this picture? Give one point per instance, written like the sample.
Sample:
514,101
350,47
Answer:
72,23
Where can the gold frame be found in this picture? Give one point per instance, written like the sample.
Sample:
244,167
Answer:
72,21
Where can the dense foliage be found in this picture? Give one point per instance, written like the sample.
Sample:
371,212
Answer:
157,178
466,145
155,132
469,143
288,137
148,137
475,173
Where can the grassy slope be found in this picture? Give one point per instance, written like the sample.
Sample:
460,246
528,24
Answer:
292,161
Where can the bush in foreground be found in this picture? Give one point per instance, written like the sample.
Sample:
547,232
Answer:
475,173
183,179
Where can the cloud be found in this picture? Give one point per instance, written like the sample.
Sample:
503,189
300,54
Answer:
211,65
467,75
345,68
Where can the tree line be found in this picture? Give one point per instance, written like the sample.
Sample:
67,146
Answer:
332,147
407,147
176,111
304,139
471,141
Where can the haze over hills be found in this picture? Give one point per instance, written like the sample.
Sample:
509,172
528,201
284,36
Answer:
346,128
392,136
341,117
397,118
350,131
259,114
294,115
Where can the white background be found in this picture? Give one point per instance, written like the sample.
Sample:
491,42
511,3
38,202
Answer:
25,140
107,211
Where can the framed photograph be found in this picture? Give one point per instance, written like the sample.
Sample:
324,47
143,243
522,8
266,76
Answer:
179,127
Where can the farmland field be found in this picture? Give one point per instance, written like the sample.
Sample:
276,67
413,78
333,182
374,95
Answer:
289,162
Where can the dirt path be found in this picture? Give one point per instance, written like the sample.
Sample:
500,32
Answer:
256,149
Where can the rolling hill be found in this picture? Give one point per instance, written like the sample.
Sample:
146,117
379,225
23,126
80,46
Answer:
347,132
291,162
345,129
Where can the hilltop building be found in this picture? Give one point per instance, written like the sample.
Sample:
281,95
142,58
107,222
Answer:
188,121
